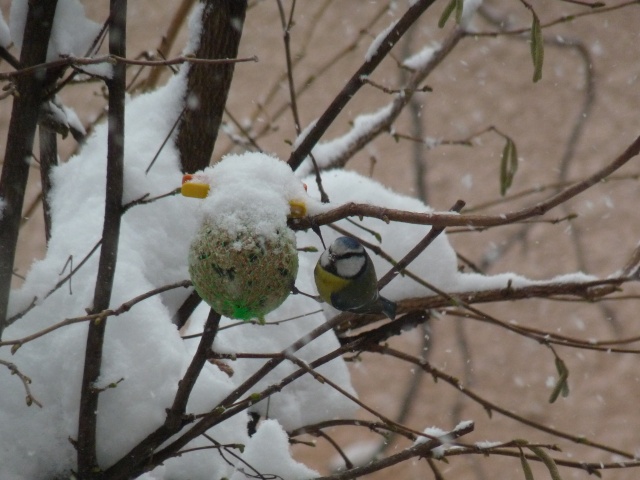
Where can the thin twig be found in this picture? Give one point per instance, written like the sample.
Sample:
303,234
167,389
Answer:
112,59
166,139
168,39
123,308
589,467
26,381
590,290
19,142
490,406
347,463
60,283
562,19
417,450
357,81
469,220
146,199
377,427
417,250
286,29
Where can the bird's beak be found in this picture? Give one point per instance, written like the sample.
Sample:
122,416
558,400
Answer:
194,187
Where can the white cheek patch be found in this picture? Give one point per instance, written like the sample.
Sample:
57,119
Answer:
349,267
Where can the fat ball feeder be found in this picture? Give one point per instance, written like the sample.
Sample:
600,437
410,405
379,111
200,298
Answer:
243,259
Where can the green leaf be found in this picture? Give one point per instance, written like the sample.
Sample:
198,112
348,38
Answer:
459,7
561,367
508,165
526,468
537,47
447,13
562,385
547,460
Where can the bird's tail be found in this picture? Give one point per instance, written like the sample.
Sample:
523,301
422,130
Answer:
378,305
388,307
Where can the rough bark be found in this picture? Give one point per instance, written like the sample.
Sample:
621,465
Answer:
208,85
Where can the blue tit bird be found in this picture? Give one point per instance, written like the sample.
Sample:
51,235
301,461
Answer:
346,279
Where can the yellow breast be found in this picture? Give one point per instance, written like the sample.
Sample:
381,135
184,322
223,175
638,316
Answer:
328,283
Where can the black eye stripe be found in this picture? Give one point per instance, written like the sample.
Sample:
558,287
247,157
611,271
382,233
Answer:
350,255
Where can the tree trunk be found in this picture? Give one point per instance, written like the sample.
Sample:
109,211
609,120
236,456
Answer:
208,85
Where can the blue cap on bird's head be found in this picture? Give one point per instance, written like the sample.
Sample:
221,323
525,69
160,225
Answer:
345,245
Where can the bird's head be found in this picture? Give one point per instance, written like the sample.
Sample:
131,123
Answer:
346,258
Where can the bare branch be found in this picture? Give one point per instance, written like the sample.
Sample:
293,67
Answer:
86,442
100,316
583,290
420,449
490,406
168,39
20,137
71,61
417,250
139,458
449,219
357,81
557,21
286,29
26,381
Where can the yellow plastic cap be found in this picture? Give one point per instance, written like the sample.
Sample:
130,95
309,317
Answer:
298,208
191,187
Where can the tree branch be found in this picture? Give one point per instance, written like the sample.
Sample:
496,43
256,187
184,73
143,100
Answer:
72,61
26,381
584,290
421,449
22,127
168,39
86,444
490,406
99,317
137,460
451,219
417,250
357,81
48,159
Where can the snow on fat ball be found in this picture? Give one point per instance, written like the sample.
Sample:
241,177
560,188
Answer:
243,260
